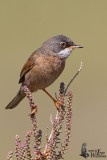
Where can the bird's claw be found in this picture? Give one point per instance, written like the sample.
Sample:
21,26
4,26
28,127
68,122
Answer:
57,103
34,110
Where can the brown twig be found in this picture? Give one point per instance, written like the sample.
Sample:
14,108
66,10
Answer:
73,79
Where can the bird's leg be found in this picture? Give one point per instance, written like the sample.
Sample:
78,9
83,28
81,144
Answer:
57,103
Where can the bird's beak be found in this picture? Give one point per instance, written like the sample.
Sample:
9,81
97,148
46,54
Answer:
76,46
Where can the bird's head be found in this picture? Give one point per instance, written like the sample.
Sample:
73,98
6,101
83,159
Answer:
59,45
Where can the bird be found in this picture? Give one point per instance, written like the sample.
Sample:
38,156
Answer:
43,67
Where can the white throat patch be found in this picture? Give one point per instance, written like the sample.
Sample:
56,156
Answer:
65,53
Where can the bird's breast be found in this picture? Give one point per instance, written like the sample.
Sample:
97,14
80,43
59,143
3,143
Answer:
45,72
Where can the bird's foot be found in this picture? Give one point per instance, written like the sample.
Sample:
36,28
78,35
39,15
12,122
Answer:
58,104
34,110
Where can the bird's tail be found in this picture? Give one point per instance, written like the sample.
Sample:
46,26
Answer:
16,100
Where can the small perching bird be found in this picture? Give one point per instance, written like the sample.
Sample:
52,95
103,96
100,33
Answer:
44,66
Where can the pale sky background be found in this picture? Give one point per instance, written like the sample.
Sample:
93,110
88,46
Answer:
24,26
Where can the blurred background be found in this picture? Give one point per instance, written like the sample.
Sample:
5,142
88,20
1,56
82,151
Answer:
24,26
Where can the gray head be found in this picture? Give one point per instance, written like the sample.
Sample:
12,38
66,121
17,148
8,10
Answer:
59,45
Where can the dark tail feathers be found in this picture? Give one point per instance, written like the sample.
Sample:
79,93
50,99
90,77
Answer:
16,100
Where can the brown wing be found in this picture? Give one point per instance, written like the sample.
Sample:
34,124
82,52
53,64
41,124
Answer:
26,68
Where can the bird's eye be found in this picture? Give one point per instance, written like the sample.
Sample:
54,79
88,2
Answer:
62,44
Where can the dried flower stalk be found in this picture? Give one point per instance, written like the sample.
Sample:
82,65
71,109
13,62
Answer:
51,151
